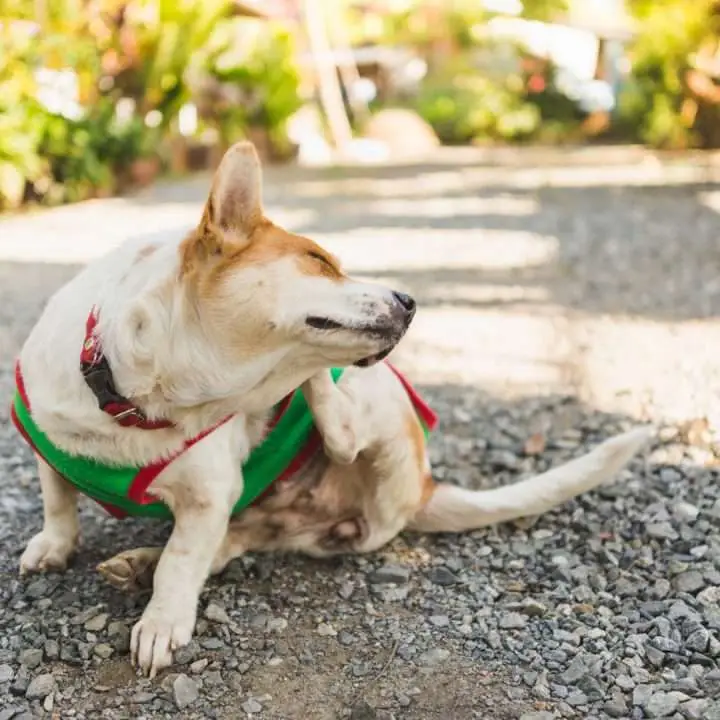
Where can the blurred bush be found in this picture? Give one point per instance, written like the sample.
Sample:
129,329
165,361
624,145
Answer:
672,99
250,86
92,93
464,105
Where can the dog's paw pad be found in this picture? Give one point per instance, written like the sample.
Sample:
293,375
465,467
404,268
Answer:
132,570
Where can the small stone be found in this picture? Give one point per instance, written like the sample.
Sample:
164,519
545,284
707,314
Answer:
186,654
142,697
616,707
276,625
326,630
541,715
512,621
212,643
709,596
576,697
625,682
31,658
346,590
52,649
390,593
712,712
96,623
251,706
363,711
6,673
661,531
103,650
642,694
662,704
689,582
439,620
442,576
185,691
40,687
433,657
396,574
199,665
575,671
216,613
533,608
698,640
696,709
685,512
346,638
21,682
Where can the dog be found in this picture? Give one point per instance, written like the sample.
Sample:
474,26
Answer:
179,360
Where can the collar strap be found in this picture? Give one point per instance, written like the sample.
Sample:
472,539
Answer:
98,376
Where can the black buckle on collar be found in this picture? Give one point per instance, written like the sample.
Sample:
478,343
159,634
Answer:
99,379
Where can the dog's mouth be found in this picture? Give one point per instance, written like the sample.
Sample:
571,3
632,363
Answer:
384,333
373,359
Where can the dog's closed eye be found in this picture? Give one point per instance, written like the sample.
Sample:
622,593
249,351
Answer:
323,260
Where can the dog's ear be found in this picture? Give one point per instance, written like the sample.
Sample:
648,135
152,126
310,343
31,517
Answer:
233,210
235,202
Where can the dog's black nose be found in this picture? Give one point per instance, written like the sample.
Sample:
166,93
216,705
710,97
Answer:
405,300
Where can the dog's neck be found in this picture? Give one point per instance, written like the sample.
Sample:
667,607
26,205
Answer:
165,358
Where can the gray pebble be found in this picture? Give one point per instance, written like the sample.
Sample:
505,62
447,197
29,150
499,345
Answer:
185,691
251,706
442,576
31,658
216,613
40,687
512,621
690,581
96,623
663,704
433,657
397,574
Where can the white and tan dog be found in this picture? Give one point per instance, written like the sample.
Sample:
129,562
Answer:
225,323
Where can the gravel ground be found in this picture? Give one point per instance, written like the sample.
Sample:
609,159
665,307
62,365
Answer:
551,318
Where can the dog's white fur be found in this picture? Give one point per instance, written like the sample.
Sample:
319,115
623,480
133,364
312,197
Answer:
216,324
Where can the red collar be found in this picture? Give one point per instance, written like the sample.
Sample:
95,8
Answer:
98,376
96,371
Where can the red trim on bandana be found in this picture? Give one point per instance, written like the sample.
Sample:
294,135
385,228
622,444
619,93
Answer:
426,413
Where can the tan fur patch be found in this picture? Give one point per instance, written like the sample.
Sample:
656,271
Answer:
428,489
209,253
417,437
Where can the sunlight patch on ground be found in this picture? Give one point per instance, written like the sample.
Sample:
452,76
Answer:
398,250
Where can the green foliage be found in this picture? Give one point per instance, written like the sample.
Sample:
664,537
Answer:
254,83
463,106
656,107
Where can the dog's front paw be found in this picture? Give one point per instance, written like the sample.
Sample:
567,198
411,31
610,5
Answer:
47,551
154,637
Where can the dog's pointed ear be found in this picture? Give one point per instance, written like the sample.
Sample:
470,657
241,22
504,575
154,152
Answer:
235,202
233,210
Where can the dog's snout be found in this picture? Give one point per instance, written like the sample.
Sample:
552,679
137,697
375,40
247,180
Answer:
407,303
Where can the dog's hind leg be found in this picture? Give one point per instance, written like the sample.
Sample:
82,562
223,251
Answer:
51,548
133,570
335,418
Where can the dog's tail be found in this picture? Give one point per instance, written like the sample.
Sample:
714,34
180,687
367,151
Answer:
454,509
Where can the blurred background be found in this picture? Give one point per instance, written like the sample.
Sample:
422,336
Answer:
99,96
